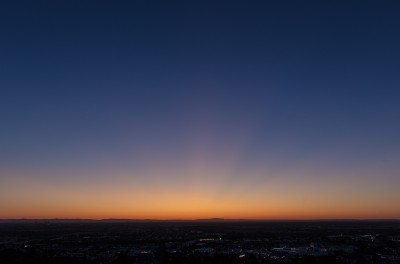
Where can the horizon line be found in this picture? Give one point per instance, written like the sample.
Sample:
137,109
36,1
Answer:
199,219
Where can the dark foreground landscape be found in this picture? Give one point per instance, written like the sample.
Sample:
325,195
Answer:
205,241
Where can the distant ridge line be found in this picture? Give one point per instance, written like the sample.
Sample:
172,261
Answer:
191,220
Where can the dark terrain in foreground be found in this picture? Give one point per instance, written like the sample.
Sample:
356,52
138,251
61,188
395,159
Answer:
203,241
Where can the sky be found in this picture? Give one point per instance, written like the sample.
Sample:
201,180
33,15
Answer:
200,109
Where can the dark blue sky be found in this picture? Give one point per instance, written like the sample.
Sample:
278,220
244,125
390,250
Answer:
129,84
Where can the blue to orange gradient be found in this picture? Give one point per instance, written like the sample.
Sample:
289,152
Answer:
178,111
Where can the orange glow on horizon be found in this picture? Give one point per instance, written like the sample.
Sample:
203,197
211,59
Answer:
195,197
